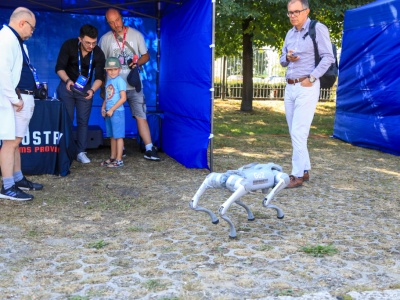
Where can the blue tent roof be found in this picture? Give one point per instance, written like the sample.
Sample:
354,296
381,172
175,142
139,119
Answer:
368,96
376,13
143,8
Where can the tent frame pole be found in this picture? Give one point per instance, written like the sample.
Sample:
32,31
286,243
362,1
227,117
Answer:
211,144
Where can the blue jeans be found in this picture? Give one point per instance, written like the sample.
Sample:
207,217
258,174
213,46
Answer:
83,108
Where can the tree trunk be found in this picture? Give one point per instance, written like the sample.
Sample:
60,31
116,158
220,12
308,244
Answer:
224,78
247,93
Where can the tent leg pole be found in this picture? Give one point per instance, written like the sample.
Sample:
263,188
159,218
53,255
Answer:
212,89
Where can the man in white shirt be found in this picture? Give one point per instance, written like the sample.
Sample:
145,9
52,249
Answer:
15,116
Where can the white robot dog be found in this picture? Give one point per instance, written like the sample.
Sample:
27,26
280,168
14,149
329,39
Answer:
246,179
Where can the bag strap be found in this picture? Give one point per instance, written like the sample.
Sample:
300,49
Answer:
312,34
130,48
127,44
335,55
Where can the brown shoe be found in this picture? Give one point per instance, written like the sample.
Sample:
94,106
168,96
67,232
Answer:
294,182
306,176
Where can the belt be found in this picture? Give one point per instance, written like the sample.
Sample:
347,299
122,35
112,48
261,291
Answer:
26,92
293,81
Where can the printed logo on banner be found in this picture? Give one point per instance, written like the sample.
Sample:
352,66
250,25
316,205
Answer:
40,142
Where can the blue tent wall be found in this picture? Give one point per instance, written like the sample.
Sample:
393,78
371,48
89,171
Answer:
368,96
185,82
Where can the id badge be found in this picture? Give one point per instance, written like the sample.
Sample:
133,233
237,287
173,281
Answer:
81,82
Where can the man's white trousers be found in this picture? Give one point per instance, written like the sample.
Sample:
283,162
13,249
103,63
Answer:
300,105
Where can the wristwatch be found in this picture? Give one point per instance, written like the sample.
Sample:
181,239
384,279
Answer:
312,78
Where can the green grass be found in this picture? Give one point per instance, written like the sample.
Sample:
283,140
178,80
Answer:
344,297
319,250
33,233
97,245
267,117
154,285
264,129
136,229
287,292
264,247
230,121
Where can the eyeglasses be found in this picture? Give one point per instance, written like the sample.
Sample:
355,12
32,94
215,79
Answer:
89,44
295,13
32,27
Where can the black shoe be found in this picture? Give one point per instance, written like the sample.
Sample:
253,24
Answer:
152,154
25,184
14,193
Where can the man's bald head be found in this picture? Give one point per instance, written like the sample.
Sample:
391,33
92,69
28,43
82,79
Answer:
23,21
114,19
113,11
21,13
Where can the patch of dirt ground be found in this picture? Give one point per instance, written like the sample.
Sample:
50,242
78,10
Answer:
128,233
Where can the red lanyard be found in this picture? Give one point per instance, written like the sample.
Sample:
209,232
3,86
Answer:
123,41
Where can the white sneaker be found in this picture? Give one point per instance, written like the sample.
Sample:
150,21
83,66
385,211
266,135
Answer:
82,158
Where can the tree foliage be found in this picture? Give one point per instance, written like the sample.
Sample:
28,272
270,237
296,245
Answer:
243,25
269,22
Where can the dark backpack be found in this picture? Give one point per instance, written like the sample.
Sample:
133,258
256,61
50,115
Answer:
329,78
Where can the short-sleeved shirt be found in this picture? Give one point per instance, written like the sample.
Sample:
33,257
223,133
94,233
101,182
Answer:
114,86
112,47
68,61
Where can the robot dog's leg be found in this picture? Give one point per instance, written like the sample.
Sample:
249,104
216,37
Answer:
279,212
250,216
224,208
213,180
281,180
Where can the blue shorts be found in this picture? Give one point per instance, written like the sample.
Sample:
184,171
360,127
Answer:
115,125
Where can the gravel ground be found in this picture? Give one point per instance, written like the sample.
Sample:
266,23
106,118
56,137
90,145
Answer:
129,233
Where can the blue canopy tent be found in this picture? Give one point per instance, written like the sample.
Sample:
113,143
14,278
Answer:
178,80
368,96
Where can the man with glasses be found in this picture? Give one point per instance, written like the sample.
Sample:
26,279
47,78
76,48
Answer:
126,43
303,86
16,108
80,60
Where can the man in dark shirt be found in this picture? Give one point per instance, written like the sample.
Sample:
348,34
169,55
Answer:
78,59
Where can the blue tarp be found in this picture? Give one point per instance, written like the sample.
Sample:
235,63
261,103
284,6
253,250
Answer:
185,82
184,72
368,96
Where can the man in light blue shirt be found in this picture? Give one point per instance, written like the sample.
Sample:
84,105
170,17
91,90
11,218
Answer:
303,86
